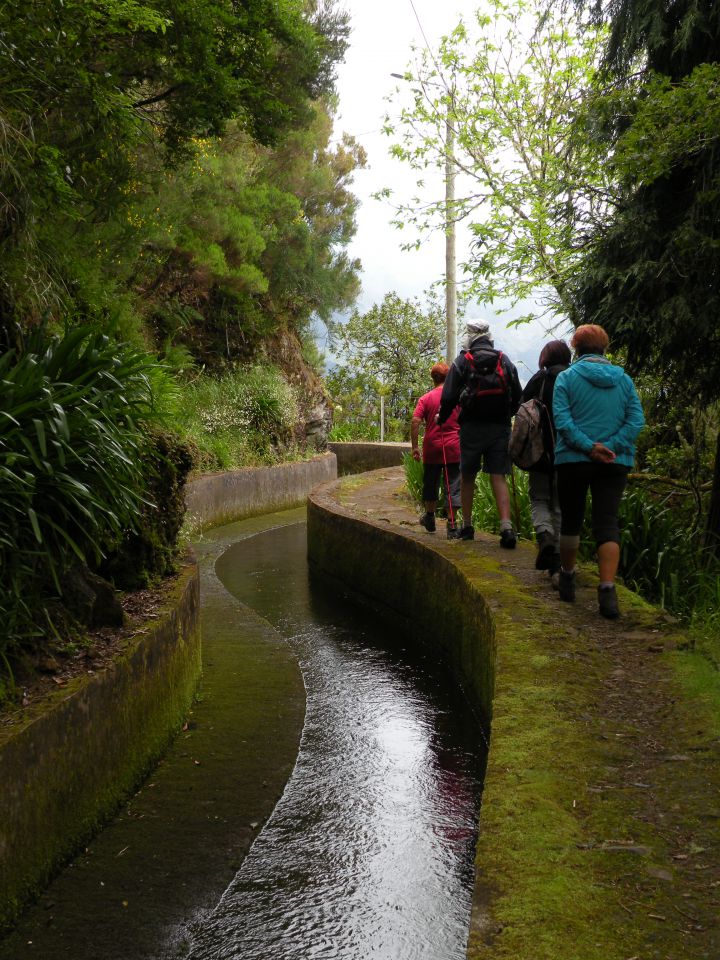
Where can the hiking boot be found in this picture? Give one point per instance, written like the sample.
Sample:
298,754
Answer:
566,586
546,551
466,533
427,520
508,539
554,579
453,531
607,603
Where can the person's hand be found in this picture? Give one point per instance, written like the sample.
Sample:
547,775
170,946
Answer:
437,419
602,454
416,454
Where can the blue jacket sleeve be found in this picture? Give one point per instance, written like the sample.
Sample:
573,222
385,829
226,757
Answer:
623,440
564,424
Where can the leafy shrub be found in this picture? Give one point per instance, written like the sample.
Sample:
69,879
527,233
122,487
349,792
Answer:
242,417
71,477
485,515
413,476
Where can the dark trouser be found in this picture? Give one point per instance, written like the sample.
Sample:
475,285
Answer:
432,472
606,482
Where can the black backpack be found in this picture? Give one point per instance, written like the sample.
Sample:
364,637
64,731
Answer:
487,380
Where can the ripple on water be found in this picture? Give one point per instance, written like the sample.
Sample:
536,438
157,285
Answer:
369,853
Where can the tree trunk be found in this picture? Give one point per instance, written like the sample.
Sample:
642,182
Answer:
712,531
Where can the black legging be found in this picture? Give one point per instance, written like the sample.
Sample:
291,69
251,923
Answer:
606,482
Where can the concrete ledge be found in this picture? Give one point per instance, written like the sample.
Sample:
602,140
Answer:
220,498
442,604
66,768
582,808
359,457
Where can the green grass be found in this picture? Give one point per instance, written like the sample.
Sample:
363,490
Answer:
246,417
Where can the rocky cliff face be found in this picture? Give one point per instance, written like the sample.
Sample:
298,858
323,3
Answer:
315,414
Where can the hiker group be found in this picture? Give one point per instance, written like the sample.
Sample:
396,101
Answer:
573,428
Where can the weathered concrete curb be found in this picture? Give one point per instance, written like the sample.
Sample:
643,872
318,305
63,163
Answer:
453,616
68,765
220,498
576,855
360,457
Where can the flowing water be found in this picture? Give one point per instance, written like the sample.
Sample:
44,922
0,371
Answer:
369,854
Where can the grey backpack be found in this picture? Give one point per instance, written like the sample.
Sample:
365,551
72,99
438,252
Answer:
532,441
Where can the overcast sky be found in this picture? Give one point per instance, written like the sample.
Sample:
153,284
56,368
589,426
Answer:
383,34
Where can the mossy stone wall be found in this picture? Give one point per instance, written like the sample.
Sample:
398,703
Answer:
220,498
360,456
67,767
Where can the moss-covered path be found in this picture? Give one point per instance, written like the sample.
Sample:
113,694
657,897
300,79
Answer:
601,811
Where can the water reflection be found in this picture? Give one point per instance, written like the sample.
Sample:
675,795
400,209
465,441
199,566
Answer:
369,853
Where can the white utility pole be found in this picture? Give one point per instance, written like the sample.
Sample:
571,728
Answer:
450,270
450,275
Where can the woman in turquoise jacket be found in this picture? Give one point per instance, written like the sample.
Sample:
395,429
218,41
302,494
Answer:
598,417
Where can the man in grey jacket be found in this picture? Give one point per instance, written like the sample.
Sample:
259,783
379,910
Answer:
485,384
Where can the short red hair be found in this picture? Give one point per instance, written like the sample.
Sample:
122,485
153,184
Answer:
590,338
438,373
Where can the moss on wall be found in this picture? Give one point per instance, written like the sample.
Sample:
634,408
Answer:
66,768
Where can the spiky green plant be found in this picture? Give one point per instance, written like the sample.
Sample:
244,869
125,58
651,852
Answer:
71,476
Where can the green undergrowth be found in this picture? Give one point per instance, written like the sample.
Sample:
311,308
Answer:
247,416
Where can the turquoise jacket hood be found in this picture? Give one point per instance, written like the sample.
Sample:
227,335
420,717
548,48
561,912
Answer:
598,371
595,402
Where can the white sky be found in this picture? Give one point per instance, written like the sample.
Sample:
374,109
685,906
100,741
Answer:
383,34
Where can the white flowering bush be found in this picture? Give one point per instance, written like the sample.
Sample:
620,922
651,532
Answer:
246,416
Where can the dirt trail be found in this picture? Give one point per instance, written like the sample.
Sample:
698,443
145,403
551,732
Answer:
657,742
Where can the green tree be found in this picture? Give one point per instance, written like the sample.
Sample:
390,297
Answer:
530,182
94,92
252,239
387,350
650,271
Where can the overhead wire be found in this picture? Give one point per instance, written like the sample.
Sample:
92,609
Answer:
429,50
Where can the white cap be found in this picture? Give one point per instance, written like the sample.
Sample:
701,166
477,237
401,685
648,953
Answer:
474,329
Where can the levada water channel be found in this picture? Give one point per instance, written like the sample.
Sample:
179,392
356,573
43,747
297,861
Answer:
368,852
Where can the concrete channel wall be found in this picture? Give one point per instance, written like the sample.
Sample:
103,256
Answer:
453,616
360,457
220,498
69,763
